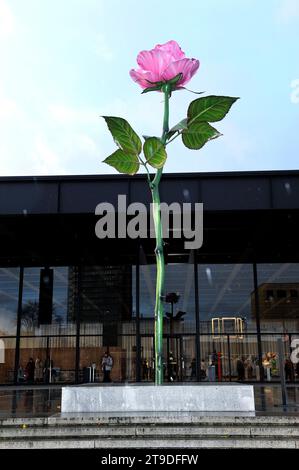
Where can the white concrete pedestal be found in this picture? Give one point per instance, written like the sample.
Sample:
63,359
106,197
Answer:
151,398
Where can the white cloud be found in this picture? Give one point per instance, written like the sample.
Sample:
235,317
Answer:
287,11
7,20
68,153
238,144
68,115
8,108
78,148
103,51
45,160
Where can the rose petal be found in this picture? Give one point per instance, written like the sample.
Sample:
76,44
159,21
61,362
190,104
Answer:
154,61
142,77
188,67
172,48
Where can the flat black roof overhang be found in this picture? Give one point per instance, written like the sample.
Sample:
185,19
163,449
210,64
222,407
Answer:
248,216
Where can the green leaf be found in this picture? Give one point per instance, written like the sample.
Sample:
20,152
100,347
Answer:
198,134
146,137
178,127
123,134
209,108
154,152
123,162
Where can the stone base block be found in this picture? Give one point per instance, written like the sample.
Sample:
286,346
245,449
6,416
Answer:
151,398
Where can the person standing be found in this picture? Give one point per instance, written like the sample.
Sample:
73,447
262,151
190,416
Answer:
172,366
289,370
38,372
193,369
248,368
21,374
240,370
145,369
107,364
203,370
48,367
30,367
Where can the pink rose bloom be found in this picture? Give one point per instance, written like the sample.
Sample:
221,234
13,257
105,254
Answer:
163,63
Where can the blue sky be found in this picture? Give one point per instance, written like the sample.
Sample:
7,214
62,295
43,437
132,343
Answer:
63,63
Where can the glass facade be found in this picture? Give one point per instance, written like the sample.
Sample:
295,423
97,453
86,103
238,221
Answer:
9,291
222,322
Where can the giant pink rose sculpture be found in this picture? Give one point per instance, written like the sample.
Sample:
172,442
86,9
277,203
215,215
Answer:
163,63
164,68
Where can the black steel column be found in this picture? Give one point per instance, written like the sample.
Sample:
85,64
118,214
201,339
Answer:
138,338
197,321
258,323
229,358
48,348
78,313
284,393
19,320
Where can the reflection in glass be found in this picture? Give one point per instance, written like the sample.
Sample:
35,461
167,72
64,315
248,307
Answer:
47,341
9,289
7,359
61,320
278,294
225,291
179,283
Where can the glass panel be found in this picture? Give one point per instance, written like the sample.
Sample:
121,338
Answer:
91,356
229,358
180,358
107,311
243,359
55,316
180,302
278,293
9,291
214,351
270,351
179,292
91,351
147,359
7,360
225,299
48,359
128,354
147,290
106,299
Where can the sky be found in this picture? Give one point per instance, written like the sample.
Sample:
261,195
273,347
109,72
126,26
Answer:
64,63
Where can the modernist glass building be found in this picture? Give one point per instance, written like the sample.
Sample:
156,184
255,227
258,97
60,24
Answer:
66,296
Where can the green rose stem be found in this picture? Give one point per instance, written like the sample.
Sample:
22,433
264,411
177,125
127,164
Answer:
159,251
